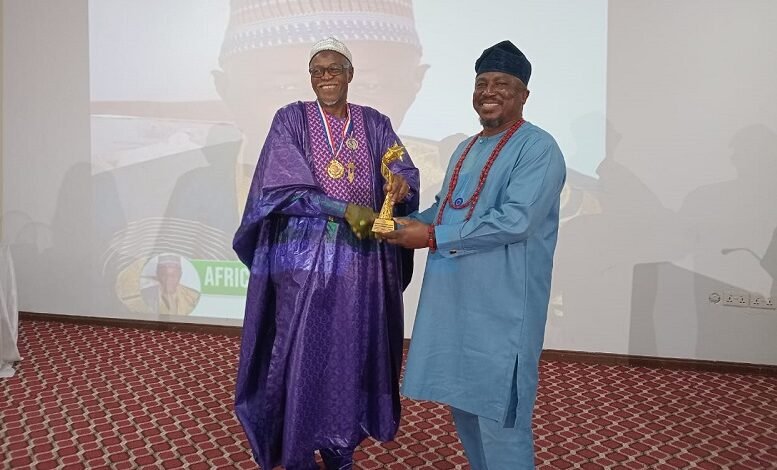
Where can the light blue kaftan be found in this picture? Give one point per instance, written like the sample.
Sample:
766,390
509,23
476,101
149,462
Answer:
481,316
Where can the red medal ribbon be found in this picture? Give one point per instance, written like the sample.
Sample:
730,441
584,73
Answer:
327,128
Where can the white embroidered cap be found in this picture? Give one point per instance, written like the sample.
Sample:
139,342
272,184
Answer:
330,44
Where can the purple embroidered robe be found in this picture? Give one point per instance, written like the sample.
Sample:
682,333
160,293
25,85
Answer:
322,335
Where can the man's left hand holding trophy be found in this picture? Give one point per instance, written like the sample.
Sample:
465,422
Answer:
363,221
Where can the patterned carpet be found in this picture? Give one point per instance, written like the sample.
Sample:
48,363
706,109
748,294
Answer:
94,397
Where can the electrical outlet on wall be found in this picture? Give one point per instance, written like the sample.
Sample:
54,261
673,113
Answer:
761,301
769,303
736,299
745,299
739,298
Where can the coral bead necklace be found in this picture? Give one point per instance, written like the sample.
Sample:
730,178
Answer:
473,200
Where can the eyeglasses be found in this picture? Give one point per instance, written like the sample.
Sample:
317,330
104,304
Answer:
318,72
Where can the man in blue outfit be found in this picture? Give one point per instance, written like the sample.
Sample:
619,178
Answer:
491,233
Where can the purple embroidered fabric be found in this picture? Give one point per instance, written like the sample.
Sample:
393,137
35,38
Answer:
322,335
360,190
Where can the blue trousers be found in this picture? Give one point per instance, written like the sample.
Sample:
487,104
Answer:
491,446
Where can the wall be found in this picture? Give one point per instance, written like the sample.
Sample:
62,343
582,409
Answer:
686,192
2,112
47,195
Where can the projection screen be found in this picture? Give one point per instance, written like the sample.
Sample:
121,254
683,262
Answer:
181,94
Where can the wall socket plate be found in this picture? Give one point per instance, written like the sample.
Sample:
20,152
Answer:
760,301
735,299
743,299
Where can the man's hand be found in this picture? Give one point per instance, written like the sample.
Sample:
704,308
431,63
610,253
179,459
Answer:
398,188
360,218
413,234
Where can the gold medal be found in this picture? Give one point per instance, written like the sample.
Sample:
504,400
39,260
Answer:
335,170
352,143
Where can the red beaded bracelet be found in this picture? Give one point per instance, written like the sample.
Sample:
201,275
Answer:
432,241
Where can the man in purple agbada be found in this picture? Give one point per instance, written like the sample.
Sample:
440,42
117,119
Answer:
322,336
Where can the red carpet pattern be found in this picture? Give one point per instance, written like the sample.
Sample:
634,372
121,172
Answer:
88,397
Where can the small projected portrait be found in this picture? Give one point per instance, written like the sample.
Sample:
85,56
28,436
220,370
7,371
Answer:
169,285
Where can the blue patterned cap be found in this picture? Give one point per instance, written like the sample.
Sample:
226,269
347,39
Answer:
504,57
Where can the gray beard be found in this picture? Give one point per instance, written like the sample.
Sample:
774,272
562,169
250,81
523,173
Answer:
328,103
491,123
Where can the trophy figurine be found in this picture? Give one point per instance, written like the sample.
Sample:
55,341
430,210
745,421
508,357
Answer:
385,221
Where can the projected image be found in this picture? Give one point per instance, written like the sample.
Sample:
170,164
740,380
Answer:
169,285
183,93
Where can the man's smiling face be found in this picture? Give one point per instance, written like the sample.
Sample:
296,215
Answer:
331,89
498,99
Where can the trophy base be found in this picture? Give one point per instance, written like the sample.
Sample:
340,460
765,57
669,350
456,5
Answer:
383,225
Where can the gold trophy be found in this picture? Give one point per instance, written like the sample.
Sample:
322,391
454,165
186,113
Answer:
385,221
